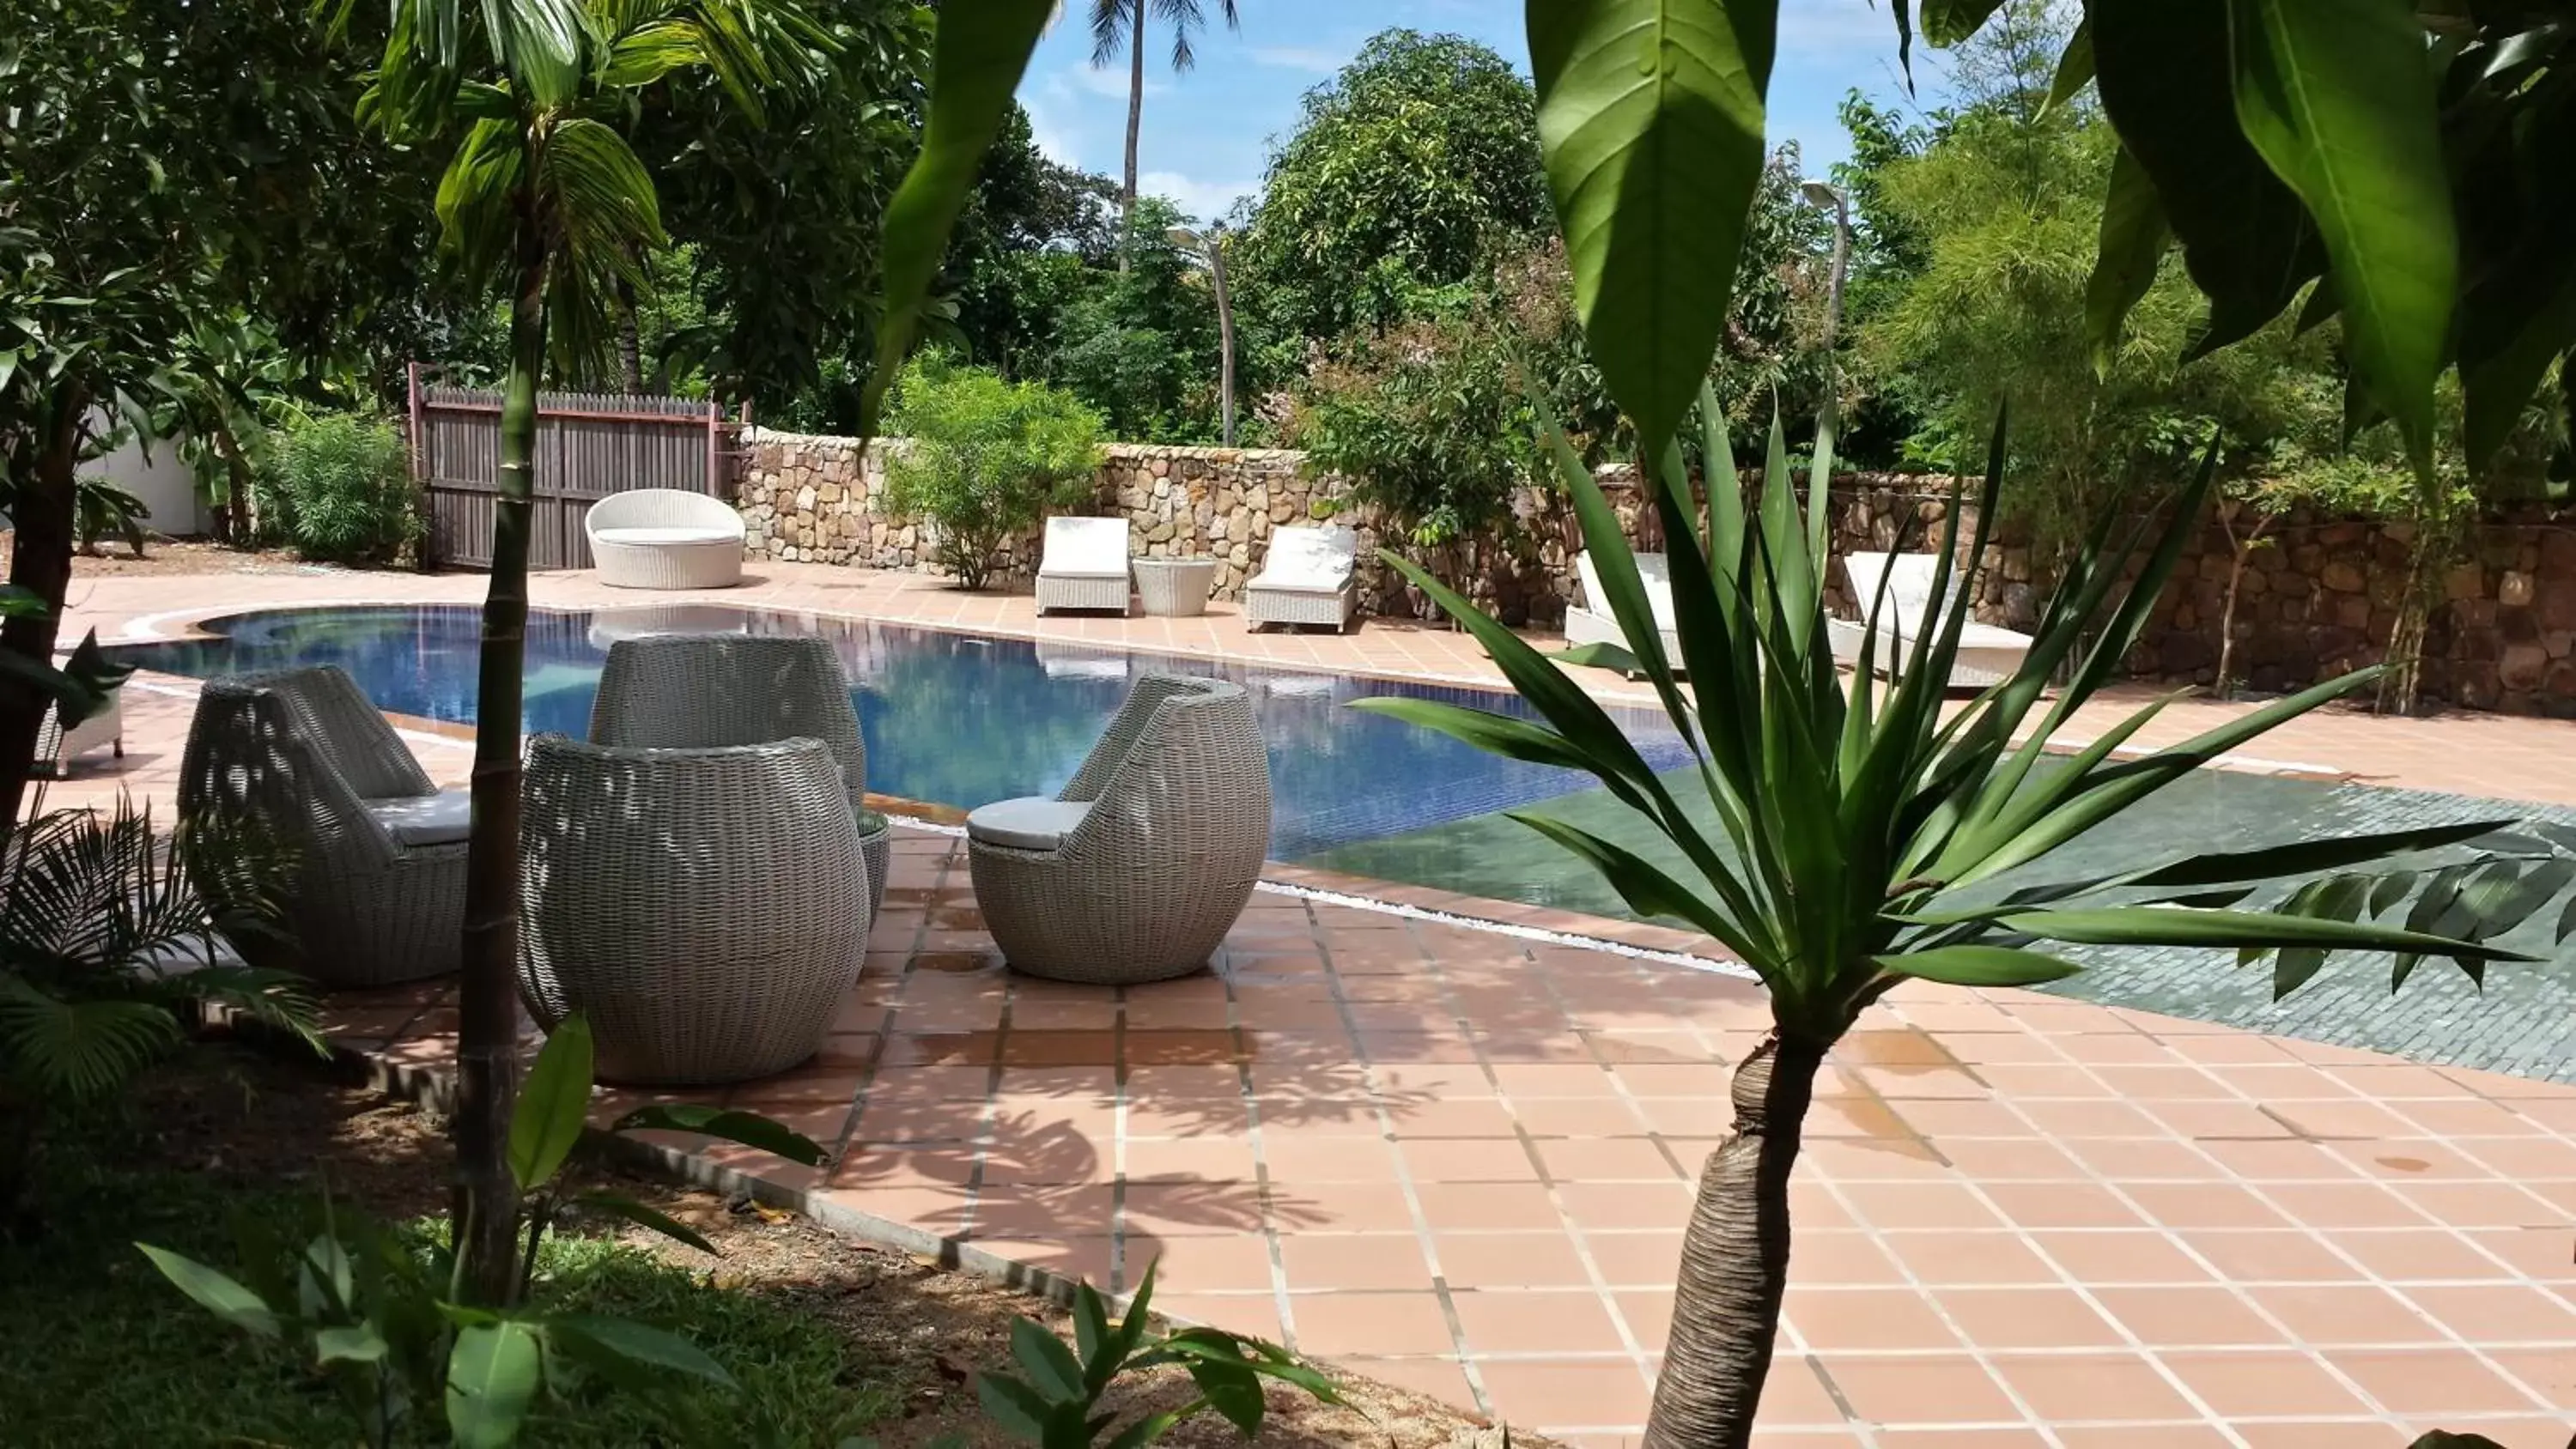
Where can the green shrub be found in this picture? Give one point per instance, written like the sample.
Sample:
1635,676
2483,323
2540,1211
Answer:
340,490
988,458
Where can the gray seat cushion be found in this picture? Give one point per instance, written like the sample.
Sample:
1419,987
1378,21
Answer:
417,820
1029,823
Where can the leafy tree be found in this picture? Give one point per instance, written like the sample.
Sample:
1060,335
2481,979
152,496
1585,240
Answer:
543,198
1032,233
1410,169
987,459
778,210
1140,345
2006,211
1120,24
163,169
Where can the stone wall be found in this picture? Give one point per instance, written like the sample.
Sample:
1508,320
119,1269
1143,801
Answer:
809,498
2318,596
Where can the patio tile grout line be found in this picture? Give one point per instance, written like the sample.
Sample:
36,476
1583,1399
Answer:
2030,1239
2217,1276
2326,1239
1572,1229
1404,1182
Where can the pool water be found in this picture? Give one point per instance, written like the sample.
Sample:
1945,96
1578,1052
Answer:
950,719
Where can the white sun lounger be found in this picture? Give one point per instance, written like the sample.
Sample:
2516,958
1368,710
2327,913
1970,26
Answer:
1084,565
1307,578
1591,622
1988,654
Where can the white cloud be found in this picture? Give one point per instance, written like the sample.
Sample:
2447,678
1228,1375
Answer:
1299,57
1202,201
1053,142
1110,80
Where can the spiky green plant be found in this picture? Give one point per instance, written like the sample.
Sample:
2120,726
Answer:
1858,822
107,934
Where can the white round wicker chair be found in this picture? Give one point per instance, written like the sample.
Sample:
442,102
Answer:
665,538
699,691
1139,868
705,909
380,896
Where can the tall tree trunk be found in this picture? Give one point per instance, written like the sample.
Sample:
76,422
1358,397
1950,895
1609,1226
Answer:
487,1045
41,563
1224,333
232,514
1735,1259
630,348
1135,124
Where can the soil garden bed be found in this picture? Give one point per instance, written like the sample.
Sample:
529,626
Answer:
830,1339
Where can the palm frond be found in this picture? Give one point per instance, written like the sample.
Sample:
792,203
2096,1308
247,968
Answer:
77,1051
1112,24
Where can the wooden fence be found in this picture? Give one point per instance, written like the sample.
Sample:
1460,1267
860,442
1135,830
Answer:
589,445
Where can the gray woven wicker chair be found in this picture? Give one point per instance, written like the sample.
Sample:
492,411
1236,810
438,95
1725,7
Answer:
1136,872
380,896
705,909
700,691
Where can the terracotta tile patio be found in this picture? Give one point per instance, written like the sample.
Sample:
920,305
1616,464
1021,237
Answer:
1457,1157
2020,1221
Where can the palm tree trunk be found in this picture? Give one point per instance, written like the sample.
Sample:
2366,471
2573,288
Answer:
40,561
1135,124
487,1046
630,348
1735,1259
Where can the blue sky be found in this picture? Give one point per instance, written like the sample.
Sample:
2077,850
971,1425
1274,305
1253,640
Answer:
1207,134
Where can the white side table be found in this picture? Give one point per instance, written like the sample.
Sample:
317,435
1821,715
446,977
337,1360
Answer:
1174,588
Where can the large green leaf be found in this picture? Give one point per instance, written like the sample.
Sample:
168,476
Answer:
731,1124
2134,235
2164,73
975,67
215,1292
554,1104
2173,926
2339,97
1979,965
492,1376
631,1353
1650,122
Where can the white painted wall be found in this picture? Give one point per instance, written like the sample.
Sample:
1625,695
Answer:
163,483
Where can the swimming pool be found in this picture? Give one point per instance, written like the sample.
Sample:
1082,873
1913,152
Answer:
950,719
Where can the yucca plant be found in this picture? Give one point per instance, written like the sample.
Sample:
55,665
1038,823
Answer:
1861,830
106,935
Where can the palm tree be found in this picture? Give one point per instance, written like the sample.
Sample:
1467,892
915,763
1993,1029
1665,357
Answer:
543,197
1863,833
1117,23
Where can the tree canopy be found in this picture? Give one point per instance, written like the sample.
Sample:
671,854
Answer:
1409,169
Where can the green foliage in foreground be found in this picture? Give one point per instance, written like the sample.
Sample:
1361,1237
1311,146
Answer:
1056,1400
96,1349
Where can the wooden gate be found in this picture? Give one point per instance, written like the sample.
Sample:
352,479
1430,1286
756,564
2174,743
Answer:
589,445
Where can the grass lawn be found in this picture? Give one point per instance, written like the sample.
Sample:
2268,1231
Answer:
96,1348
829,1339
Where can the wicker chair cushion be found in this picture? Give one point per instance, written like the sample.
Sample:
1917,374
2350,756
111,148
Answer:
413,820
1033,823
1085,548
